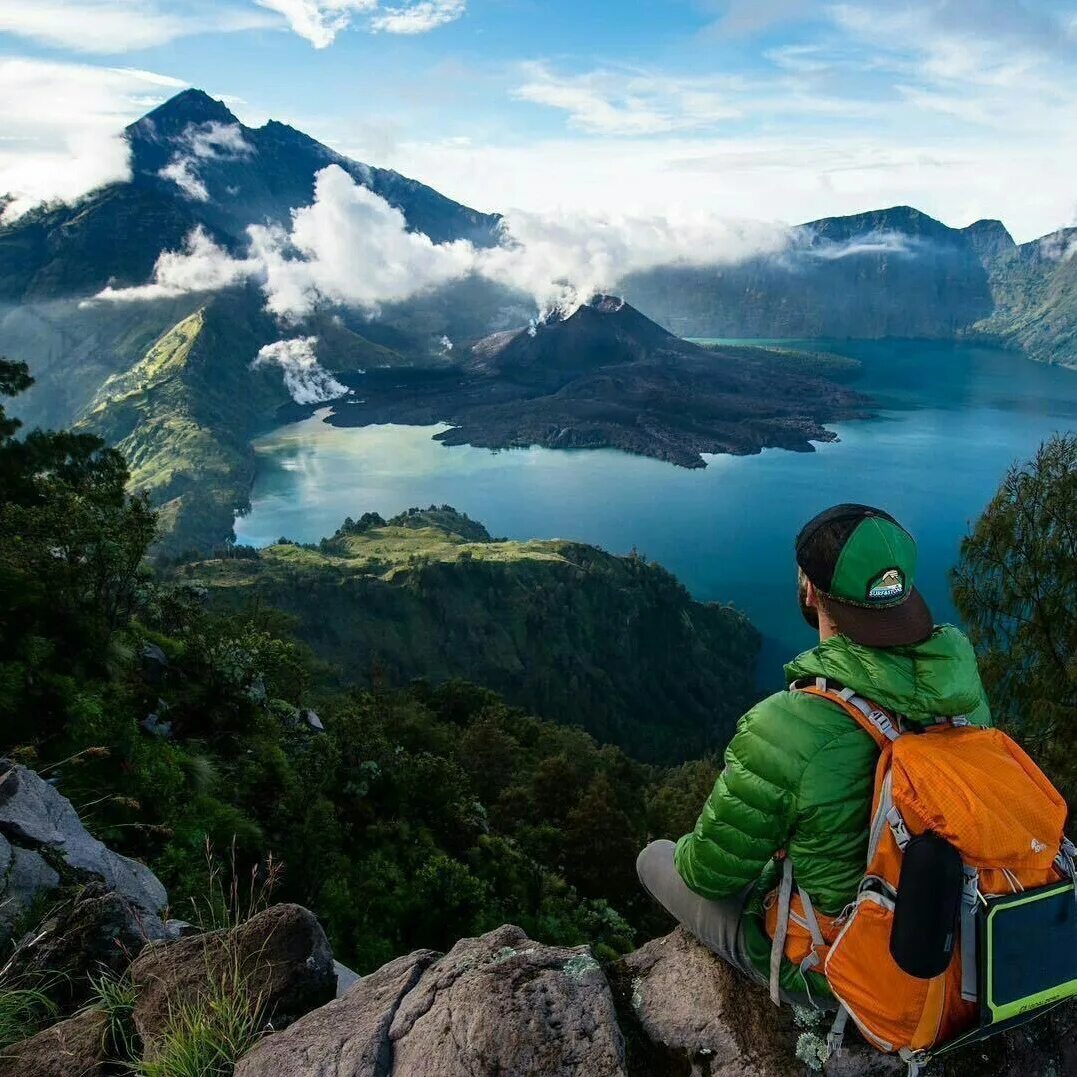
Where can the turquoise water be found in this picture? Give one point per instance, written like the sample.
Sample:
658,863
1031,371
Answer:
951,421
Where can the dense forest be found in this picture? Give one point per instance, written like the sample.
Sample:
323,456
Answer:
615,645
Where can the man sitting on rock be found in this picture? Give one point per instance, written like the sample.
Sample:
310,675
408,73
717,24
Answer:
799,773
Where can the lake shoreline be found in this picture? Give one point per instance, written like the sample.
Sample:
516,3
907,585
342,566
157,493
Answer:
950,422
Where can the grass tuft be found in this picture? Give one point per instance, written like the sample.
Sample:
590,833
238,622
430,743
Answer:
207,1036
24,1011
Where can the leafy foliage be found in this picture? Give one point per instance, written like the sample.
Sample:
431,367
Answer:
1016,587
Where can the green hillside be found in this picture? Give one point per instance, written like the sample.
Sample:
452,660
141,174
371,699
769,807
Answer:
184,414
1035,293
614,644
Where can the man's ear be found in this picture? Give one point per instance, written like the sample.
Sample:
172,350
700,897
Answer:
809,593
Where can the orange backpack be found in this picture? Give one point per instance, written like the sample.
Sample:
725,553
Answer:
974,787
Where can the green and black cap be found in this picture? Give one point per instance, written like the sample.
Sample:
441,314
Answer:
864,562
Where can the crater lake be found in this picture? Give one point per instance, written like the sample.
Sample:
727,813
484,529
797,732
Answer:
950,420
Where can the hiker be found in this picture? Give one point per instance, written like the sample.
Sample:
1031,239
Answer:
873,845
799,774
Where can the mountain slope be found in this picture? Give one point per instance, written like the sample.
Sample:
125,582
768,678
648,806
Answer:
894,272
610,643
1035,293
253,175
184,413
183,417
990,239
192,162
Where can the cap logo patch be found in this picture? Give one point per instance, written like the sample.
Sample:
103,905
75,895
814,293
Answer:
887,587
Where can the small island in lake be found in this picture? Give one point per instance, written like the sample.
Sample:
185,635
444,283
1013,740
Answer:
606,376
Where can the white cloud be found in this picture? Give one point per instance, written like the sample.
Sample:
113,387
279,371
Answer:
871,243
115,26
305,378
1028,182
418,18
319,21
214,140
629,102
203,142
202,266
350,247
1060,246
747,17
62,124
565,259
355,249
183,173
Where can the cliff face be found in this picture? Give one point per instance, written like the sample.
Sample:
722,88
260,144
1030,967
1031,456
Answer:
889,273
1035,295
614,644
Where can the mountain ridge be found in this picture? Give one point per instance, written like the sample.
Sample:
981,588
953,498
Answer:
430,594
114,234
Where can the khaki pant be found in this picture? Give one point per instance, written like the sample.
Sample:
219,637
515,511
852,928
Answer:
719,925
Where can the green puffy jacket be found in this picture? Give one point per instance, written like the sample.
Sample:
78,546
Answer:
799,776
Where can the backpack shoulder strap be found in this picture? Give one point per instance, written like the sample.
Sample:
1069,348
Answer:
876,722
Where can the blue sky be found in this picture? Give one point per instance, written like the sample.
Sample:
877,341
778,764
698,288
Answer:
772,109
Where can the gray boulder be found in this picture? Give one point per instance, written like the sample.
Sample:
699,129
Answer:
155,664
24,875
347,1038
280,958
497,1006
505,1006
686,1011
36,817
98,930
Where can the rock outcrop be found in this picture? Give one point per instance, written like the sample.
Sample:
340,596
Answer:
42,837
96,931
500,1004
347,1038
686,1012
505,1006
280,957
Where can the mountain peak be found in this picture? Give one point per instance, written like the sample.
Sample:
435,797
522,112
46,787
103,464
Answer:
178,112
989,238
605,331
904,220
607,304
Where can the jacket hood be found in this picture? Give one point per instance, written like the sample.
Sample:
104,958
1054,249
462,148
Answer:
935,678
